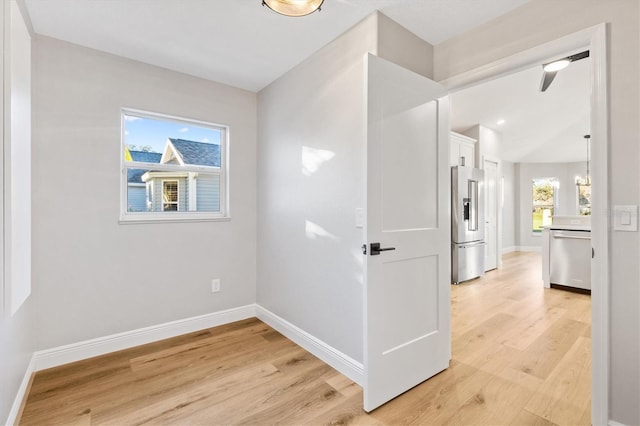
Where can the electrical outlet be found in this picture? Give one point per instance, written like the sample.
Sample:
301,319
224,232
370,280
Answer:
215,285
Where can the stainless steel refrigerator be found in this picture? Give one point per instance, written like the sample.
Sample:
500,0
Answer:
467,223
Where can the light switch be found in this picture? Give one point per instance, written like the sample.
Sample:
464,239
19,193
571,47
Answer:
625,218
359,217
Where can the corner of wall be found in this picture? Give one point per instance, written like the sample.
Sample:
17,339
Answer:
17,331
402,47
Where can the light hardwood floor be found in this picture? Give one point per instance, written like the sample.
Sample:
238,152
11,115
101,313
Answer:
521,355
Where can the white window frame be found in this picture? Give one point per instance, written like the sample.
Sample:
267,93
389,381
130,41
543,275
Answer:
179,216
149,195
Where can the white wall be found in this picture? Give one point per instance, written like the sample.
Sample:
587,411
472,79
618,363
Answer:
92,276
508,209
402,47
566,201
17,331
311,180
489,147
535,23
489,143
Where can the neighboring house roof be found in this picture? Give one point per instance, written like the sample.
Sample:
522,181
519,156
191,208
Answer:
135,175
197,153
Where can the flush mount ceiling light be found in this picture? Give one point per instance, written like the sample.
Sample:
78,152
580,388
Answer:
551,69
293,7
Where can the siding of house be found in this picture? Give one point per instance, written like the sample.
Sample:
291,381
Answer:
136,198
208,190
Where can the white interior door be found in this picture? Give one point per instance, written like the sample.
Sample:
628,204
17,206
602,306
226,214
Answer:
491,214
407,308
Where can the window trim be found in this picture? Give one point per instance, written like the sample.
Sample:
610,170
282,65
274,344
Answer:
126,217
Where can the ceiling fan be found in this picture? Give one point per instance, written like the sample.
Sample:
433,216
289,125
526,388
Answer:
549,70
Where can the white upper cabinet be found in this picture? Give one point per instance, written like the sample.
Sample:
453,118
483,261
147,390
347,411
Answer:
462,150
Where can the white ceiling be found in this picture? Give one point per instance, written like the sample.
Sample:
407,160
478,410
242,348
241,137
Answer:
240,42
539,127
246,45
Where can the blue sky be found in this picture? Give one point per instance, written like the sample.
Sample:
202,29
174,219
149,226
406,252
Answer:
141,132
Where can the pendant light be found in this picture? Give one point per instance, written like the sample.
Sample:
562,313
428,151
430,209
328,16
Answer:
293,7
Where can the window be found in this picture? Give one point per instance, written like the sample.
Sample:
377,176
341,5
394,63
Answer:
584,197
169,195
544,201
172,168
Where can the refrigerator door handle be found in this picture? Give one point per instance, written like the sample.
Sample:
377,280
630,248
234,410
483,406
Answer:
473,208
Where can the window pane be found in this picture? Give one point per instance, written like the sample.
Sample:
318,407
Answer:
150,140
172,165
162,191
584,200
170,191
170,196
543,197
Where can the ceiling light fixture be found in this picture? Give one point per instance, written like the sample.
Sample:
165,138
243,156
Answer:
557,65
293,7
500,122
550,69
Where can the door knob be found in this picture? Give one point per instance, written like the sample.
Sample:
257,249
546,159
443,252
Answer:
376,249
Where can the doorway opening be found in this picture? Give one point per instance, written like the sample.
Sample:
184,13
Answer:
524,220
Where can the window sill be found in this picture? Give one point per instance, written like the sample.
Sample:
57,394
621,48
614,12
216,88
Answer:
137,220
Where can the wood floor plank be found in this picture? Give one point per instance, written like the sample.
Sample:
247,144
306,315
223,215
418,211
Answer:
520,355
497,401
567,389
547,351
219,376
436,400
530,328
526,418
190,399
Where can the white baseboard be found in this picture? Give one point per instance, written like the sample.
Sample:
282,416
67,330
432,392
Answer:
346,365
22,393
54,357
506,250
614,423
102,345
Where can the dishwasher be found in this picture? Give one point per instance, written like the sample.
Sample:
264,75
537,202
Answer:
570,258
